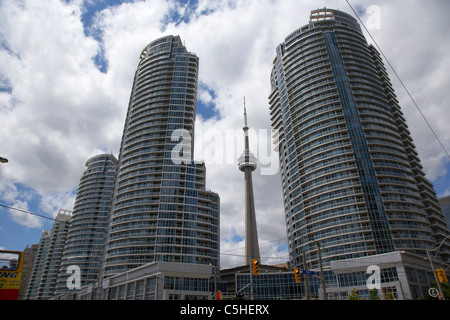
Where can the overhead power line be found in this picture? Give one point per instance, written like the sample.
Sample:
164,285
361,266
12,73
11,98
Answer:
26,211
82,227
261,244
243,255
400,80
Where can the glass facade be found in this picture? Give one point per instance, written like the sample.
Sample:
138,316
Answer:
372,196
351,177
279,286
146,289
445,205
158,281
47,262
282,285
87,231
161,209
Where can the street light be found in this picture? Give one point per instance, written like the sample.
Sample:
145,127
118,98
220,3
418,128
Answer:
215,279
3,160
322,275
434,271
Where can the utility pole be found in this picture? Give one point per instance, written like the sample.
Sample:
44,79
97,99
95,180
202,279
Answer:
215,280
308,294
251,281
441,293
322,276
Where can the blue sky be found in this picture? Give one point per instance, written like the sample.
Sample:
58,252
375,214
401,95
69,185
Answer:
15,236
66,70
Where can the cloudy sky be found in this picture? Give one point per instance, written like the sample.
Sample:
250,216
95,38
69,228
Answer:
66,70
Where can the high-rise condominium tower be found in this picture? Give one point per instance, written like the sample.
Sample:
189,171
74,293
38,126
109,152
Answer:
351,177
161,210
87,231
42,283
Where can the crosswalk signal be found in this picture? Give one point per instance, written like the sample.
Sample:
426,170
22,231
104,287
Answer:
255,267
441,275
297,275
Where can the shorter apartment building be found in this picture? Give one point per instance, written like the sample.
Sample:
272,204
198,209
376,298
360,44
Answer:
152,281
407,276
404,275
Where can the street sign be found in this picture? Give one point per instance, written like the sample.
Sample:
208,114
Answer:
433,292
308,272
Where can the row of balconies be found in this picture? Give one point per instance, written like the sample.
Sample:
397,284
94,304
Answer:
315,141
142,162
129,143
302,48
300,64
150,129
300,112
140,186
93,194
309,81
334,146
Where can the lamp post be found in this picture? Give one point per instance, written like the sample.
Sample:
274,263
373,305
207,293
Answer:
3,160
215,279
322,275
441,294
308,293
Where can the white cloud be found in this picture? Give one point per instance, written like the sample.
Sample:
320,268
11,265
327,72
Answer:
25,218
410,36
62,109
58,93
52,203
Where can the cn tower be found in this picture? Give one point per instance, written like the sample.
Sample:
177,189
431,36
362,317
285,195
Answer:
247,164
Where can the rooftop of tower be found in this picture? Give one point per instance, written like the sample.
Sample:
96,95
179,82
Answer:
322,14
326,15
163,44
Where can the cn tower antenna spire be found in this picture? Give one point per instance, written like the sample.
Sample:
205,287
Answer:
245,116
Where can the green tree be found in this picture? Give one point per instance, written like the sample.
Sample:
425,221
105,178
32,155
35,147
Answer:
388,296
373,294
354,295
445,288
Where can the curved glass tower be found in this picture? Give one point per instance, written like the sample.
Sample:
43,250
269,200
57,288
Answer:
161,209
87,231
351,177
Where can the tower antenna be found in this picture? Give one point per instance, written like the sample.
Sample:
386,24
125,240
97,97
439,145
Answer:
245,115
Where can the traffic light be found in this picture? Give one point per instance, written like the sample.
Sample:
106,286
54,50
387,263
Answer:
297,275
255,267
441,275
